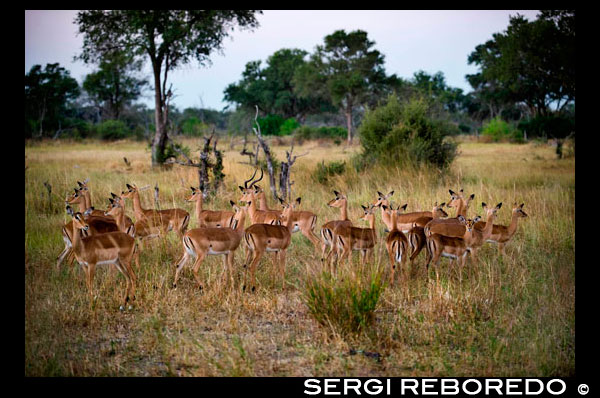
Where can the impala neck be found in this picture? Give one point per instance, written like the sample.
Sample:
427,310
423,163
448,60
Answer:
512,228
393,221
137,206
372,226
461,210
239,228
487,231
344,211
199,207
120,220
88,199
262,200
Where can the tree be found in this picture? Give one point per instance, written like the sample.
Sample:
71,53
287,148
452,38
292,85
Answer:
168,38
531,62
114,84
347,70
48,93
272,87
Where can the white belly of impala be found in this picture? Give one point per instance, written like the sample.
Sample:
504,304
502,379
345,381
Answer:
448,255
212,252
272,250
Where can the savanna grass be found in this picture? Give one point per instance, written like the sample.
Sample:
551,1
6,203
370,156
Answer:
509,315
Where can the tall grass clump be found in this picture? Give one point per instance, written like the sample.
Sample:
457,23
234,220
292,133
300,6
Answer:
408,131
498,130
346,305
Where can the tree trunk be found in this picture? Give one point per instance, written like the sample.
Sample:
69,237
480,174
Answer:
348,114
160,137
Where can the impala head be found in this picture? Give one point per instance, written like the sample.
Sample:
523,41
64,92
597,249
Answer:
338,201
250,191
469,223
75,198
83,185
391,211
115,198
438,210
240,213
196,195
457,198
288,208
131,190
114,208
383,199
493,211
368,212
78,220
518,209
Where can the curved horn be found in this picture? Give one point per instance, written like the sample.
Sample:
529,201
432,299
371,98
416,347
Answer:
261,177
247,181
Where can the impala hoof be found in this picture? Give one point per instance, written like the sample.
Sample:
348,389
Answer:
130,307
121,308
174,286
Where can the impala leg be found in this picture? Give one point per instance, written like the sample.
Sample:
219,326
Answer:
255,259
282,267
122,269
501,249
66,251
392,266
196,267
179,266
230,256
90,272
311,236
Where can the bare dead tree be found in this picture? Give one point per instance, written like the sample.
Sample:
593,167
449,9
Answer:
285,185
268,156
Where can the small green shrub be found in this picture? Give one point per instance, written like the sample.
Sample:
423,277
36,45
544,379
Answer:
288,126
406,132
324,171
498,130
347,305
270,124
112,130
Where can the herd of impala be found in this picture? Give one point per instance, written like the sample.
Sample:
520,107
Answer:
95,237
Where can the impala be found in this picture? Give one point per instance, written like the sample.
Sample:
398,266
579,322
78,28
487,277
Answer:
117,212
350,239
405,221
96,225
200,242
341,202
501,234
304,221
89,209
396,242
477,237
116,248
261,238
451,226
452,247
162,220
209,218
258,216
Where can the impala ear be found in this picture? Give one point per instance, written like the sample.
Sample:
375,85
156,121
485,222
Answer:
193,189
499,205
451,192
298,200
69,210
477,218
380,194
520,206
472,196
80,184
404,207
364,208
390,194
128,186
384,207
461,219
113,195
111,201
232,202
483,205
336,193
442,204
241,188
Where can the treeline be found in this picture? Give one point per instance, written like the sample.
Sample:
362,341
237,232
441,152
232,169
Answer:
525,88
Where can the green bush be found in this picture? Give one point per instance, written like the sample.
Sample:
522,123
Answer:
346,305
270,124
288,126
498,130
112,130
554,126
399,132
324,171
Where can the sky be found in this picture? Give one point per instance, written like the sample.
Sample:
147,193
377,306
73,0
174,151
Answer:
410,40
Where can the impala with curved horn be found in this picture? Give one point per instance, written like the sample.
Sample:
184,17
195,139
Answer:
258,216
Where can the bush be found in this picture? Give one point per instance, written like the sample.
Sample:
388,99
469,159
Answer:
554,126
270,124
399,132
498,130
324,171
112,130
346,305
288,126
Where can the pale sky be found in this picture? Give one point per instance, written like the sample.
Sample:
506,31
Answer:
410,40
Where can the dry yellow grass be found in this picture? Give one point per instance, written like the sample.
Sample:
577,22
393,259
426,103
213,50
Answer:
510,316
